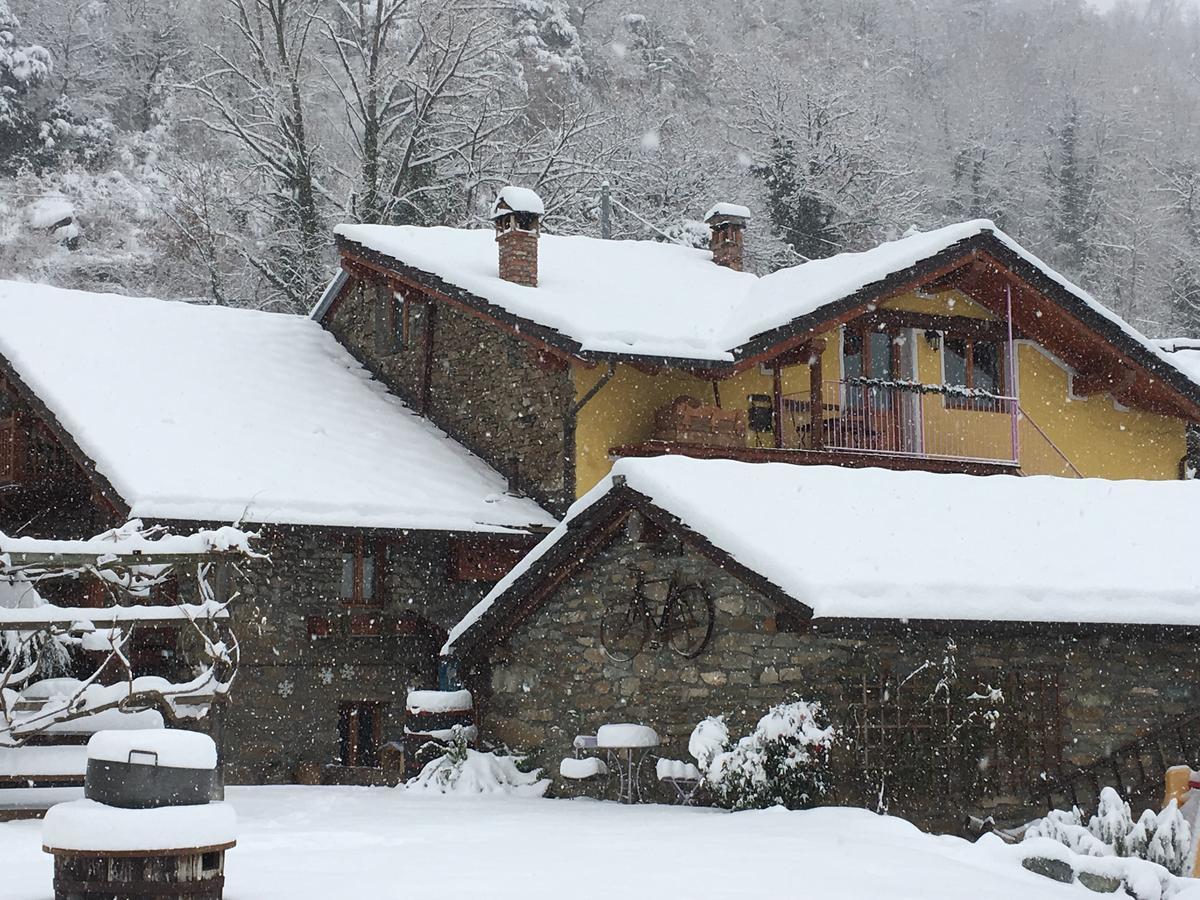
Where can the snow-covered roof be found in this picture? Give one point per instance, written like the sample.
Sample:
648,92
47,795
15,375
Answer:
215,414
728,209
518,199
653,299
1048,550
608,296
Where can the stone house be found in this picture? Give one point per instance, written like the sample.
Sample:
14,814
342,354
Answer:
381,531
984,645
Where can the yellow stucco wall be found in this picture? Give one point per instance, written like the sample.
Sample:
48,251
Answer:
1100,439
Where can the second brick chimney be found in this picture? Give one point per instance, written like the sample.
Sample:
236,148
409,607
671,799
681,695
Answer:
727,239
517,215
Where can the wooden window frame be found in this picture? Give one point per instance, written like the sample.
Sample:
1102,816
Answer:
356,546
348,748
972,403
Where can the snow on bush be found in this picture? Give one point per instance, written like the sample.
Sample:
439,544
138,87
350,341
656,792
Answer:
464,771
1163,838
783,762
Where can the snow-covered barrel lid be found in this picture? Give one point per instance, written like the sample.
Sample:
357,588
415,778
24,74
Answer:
83,826
518,200
172,748
439,701
727,211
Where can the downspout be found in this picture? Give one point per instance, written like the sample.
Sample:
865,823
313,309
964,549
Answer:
569,424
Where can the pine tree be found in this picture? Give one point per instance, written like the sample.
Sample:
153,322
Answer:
1142,834
1112,822
1171,845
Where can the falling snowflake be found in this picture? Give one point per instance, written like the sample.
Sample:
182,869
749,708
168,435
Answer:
286,688
326,675
347,671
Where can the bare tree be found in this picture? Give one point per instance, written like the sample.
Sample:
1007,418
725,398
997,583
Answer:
255,95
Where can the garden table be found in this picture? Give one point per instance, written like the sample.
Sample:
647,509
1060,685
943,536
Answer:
627,746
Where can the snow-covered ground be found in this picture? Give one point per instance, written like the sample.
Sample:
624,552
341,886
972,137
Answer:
328,842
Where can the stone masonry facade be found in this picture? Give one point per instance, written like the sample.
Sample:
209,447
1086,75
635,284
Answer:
486,388
291,684
552,679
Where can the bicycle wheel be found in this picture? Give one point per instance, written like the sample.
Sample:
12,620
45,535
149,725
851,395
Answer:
624,629
690,619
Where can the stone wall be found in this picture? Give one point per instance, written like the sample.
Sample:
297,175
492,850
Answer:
290,686
489,392
486,388
553,679
359,324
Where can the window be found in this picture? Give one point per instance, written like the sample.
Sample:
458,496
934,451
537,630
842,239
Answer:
391,320
362,571
360,730
972,363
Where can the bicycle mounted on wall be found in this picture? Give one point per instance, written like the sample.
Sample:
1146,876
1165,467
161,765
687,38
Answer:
685,623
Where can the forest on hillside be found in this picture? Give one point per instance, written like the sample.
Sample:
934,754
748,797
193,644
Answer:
204,151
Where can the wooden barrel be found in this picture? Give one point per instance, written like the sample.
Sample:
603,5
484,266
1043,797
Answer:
430,717
191,874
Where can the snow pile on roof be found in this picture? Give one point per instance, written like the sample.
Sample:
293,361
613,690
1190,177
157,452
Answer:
873,543
217,414
518,199
728,209
608,296
653,299
1184,354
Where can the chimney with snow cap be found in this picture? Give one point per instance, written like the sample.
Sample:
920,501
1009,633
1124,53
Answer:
728,224
517,215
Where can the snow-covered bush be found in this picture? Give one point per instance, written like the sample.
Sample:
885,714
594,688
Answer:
1162,838
783,762
462,770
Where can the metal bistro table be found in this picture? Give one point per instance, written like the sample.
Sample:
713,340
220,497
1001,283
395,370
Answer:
626,747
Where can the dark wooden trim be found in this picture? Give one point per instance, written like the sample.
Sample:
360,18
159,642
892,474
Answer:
966,326
826,457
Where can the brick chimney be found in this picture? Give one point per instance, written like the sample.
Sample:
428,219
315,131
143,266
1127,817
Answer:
517,215
727,239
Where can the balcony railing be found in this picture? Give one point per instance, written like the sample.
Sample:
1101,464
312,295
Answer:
904,418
